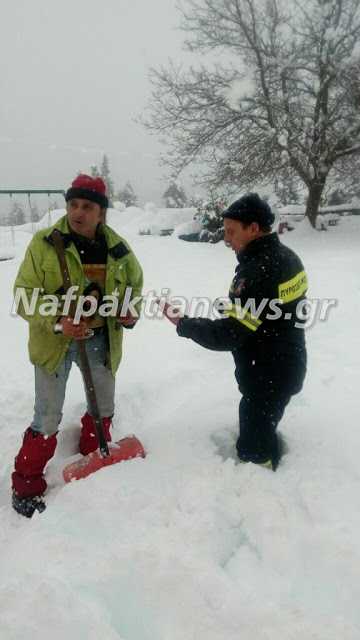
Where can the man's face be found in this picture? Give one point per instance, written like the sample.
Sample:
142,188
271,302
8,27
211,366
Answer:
84,217
239,236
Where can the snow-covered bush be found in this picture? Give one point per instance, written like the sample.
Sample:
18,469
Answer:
119,206
150,207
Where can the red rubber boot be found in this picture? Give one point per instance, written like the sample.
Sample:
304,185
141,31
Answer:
28,480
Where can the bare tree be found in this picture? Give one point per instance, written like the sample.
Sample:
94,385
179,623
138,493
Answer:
284,105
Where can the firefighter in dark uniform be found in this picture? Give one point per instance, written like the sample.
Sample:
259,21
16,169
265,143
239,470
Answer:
262,326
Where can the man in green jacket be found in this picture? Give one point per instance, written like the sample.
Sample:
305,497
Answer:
102,266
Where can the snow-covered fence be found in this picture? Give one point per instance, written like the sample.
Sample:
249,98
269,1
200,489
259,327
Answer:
298,211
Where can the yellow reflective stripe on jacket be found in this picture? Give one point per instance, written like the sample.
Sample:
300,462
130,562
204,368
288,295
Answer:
294,288
239,313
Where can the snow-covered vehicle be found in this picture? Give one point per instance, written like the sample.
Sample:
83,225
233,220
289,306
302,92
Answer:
332,218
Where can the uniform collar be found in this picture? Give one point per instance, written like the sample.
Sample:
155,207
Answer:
258,246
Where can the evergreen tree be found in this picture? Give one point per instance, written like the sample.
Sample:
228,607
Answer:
105,175
6,219
34,213
18,213
212,220
94,171
195,200
174,196
127,195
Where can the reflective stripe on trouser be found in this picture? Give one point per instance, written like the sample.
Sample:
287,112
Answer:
259,417
268,464
50,388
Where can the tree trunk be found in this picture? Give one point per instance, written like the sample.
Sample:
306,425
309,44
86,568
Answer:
313,203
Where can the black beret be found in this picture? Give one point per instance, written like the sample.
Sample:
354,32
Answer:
250,208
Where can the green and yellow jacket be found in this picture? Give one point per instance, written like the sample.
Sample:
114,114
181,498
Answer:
40,270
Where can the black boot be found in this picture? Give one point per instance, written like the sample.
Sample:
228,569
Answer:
279,450
27,506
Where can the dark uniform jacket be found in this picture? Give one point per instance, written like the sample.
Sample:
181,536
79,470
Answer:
264,328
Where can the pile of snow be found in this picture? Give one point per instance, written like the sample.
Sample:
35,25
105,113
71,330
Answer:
188,228
303,230
119,206
161,220
292,209
332,217
323,220
171,218
6,252
130,220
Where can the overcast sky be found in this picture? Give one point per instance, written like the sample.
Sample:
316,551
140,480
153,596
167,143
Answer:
73,75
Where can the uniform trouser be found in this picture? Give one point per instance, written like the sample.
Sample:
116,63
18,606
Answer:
259,417
50,388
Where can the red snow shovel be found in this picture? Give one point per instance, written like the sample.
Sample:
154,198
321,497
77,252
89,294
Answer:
124,449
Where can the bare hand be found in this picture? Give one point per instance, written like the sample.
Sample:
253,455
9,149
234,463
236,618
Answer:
127,320
170,312
74,331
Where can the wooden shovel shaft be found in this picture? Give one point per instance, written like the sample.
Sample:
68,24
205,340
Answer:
84,360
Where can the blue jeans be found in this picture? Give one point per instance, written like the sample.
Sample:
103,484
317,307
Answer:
50,388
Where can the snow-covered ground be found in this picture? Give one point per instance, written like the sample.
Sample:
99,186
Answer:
187,544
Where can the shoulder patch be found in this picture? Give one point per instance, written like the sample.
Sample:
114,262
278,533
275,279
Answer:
239,286
119,251
66,239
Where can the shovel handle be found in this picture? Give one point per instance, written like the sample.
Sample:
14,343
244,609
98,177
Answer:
84,360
